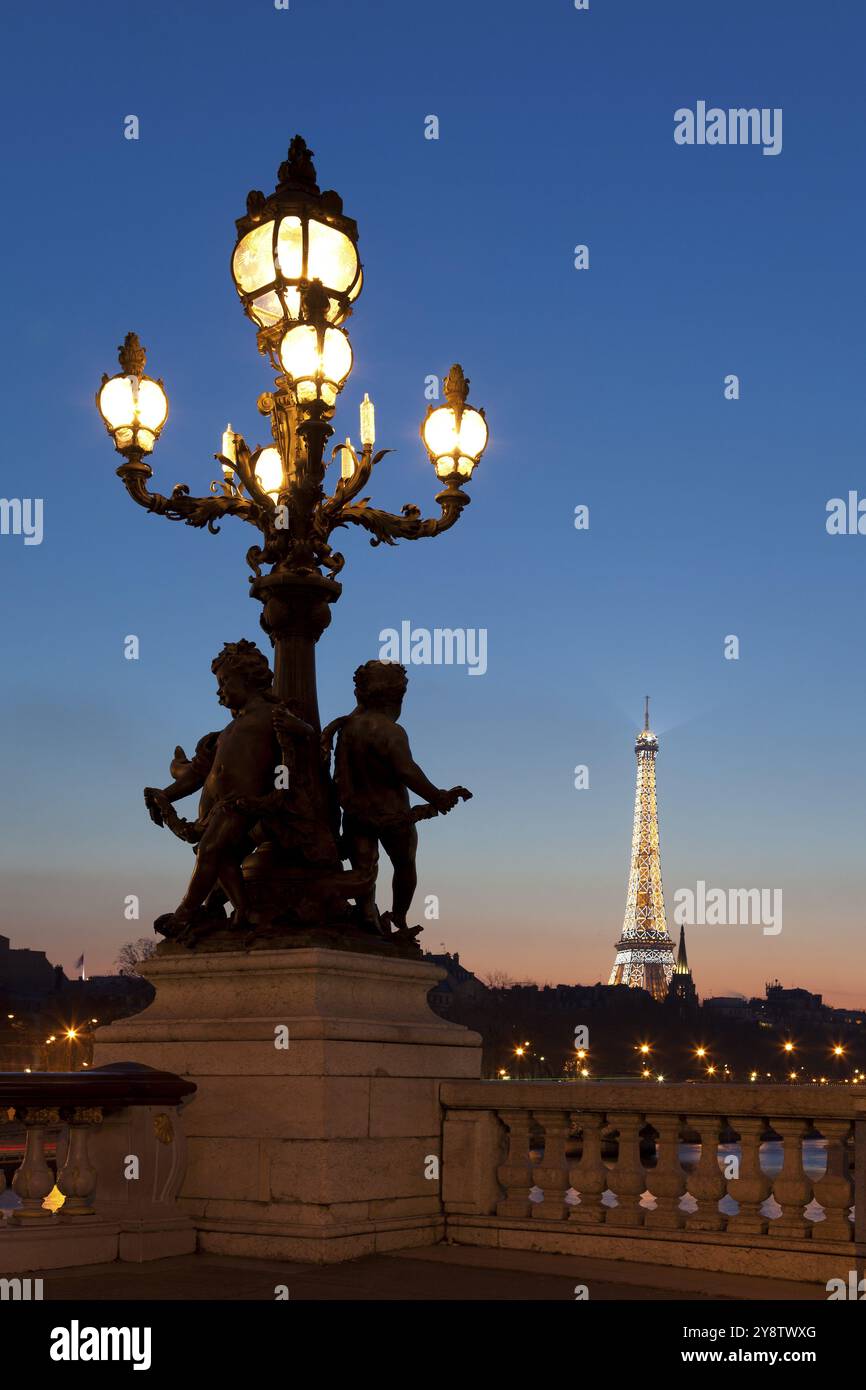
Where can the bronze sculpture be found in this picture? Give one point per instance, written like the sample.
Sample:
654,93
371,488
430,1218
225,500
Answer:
374,772
268,803
245,775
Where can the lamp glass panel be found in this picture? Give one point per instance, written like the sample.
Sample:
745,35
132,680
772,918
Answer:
269,471
336,356
465,466
358,286
331,258
444,466
267,309
123,437
145,440
116,402
299,352
290,247
292,301
473,433
328,393
253,261
152,404
440,435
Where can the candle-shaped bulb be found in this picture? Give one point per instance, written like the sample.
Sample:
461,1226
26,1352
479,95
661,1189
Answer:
228,450
347,467
368,422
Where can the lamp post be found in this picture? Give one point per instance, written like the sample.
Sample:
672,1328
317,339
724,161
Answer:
297,272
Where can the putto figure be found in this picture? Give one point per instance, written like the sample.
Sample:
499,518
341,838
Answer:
244,773
374,773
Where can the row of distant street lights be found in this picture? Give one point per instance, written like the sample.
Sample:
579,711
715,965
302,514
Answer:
70,1035
712,1069
723,1071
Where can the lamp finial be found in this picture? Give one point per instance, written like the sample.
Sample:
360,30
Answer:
298,168
132,356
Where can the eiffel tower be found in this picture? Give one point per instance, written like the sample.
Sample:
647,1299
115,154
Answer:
645,952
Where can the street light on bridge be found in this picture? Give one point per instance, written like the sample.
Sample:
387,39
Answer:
297,272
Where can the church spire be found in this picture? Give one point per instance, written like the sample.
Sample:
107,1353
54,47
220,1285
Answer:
682,967
681,990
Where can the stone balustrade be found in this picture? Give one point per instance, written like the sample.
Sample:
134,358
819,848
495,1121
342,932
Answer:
119,1164
708,1176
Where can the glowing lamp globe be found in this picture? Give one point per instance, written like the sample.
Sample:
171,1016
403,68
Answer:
455,434
269,472
288,240
317,360
133,406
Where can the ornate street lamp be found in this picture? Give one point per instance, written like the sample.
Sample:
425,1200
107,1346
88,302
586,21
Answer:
287,241
455,434
297,272
133,406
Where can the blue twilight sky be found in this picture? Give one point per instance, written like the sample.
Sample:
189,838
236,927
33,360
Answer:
603,387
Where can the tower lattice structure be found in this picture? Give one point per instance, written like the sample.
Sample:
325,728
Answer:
645,952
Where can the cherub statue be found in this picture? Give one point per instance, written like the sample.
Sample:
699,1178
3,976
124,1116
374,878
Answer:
374,772
238,771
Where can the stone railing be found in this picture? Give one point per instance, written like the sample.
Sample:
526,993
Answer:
597,1168
119,1162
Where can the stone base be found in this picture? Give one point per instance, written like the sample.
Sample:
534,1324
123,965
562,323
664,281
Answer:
806,1261
315,1132
54,1244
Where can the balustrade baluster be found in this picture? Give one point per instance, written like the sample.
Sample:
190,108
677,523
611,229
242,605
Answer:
77,1178
835,1191
792,1189
515,1174
551,1175
751,1187
706,1184
589,1176
33,1181
628,1179
667,1181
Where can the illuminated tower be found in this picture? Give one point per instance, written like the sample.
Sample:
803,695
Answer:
645,952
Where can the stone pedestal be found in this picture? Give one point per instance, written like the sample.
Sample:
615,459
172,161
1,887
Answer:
315,1133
